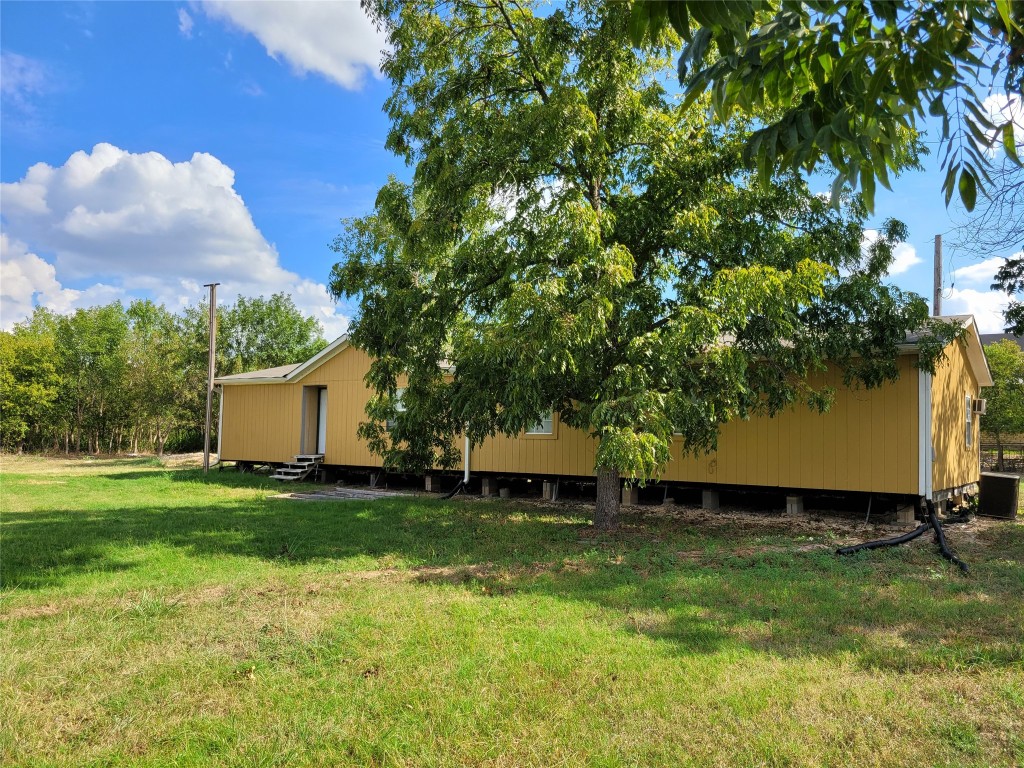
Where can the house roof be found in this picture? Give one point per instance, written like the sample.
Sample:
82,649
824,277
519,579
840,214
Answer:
973,348
290,373
287,373
266,373
992,338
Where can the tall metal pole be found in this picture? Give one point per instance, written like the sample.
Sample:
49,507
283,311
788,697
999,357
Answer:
937,293
209,374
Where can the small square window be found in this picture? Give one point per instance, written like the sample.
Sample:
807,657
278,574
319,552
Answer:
543,427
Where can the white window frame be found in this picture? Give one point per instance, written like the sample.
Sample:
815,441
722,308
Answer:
399,406
546,426
969,421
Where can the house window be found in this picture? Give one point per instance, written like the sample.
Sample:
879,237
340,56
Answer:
544,426
968,426
399,405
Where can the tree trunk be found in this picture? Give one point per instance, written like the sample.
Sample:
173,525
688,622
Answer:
999,454
606,512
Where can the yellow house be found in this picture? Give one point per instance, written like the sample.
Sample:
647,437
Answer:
917,436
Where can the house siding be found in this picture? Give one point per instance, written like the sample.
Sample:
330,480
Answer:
956,464
261,422
867,441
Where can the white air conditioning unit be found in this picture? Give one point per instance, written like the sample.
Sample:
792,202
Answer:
979,406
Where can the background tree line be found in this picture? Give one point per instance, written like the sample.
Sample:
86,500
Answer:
132,378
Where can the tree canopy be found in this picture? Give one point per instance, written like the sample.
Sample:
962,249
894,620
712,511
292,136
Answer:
111,377
1010,278
838,80
1004,414
261,332
574,240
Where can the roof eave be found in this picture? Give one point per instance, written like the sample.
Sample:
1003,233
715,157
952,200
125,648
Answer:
299,371
261,380
976,356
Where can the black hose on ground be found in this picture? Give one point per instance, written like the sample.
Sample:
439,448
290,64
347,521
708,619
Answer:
932,523
880,543
461,484
940,539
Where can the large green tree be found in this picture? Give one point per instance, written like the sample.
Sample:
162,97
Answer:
1010,278
29,384
1004,414
254,333
109,378
573,240
835,82
92,359
162,393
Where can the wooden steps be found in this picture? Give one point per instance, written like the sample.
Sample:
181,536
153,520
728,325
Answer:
304,465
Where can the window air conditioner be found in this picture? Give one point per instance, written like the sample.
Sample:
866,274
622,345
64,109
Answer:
979,406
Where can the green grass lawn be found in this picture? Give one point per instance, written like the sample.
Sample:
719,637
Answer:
152,617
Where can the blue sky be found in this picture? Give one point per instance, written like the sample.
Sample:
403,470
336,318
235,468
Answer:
188,142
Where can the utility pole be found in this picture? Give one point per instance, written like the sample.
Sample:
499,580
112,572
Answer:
937,293
209,374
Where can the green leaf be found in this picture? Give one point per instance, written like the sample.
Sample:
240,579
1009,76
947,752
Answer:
826,64
639,21
878,161
1005,9
949,183
968,189
837,190
679,18
841,125
658,16
980,116
764,172
867,182
1010,143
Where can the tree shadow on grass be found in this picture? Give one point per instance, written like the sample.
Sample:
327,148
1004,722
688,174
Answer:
227,478
901,610
44,548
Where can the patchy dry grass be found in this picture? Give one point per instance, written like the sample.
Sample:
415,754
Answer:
149,616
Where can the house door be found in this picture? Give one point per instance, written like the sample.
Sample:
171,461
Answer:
321,421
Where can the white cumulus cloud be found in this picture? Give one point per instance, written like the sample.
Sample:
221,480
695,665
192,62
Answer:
981,273
986,306
904,255
148,226
970,294
26,280
333,39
